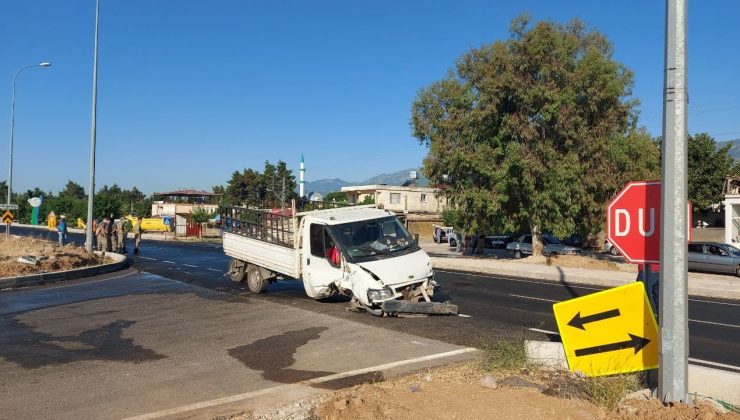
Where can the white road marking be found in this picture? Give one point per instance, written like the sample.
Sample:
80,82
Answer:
550,283
691,359
543,331
188,272
714,303
553,283
168,262
714,323
149,258
464,316
190,265
248,395
213,269
534,298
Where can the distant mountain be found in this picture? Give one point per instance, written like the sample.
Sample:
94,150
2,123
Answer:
324,186
734,149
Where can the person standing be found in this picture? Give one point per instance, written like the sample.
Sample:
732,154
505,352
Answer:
101,233
62,230
137,234
109,231
120,236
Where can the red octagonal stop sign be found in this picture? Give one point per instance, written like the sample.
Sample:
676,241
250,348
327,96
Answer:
633,221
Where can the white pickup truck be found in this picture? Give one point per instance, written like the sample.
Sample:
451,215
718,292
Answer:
362,252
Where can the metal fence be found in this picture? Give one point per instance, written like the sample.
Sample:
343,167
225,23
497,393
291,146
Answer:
271,226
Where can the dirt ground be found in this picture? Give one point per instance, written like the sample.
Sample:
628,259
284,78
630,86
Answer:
50,256
456,393
579,261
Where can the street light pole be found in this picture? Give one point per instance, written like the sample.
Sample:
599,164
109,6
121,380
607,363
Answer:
91,186
12,127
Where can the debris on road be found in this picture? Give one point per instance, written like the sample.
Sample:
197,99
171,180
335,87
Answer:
28,259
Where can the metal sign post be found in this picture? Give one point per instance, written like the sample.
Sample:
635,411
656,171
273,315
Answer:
674,346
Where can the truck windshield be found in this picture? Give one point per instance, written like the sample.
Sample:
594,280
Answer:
373,239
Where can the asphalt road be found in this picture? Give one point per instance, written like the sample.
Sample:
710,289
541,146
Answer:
494,306
134,344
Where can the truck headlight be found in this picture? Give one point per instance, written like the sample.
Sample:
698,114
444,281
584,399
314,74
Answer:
380,294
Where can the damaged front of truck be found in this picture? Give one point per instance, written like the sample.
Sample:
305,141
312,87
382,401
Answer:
385,269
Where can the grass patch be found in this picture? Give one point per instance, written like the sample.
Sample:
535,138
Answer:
504,354
603,391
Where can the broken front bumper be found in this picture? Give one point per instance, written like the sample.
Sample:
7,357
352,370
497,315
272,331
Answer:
407,307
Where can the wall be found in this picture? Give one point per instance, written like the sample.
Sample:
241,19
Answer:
708,234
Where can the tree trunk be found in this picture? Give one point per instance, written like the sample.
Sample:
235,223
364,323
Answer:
537,245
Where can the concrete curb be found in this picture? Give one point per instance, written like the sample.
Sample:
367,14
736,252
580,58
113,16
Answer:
563,275
703,381
120,262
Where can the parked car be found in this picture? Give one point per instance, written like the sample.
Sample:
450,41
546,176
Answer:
452,238
611,249
522,245
714,257
573,240
442,234
497,241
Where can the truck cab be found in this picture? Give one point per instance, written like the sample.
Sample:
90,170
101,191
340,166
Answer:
378,258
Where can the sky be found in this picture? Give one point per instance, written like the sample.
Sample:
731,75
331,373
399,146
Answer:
189,92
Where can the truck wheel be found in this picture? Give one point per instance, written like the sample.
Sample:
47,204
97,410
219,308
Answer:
236,270
255,282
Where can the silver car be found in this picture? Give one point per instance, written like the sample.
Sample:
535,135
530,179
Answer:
522,245
714,257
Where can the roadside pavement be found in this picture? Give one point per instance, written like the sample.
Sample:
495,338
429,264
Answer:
700,284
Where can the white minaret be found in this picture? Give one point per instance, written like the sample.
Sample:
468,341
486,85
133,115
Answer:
302,180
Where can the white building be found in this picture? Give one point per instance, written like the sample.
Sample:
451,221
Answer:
420,207
732,210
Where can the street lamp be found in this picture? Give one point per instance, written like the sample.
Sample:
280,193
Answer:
12,127
93,134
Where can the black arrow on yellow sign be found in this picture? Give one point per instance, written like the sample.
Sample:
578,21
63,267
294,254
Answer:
578,321
635,341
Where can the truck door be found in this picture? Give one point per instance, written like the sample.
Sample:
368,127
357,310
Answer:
322,265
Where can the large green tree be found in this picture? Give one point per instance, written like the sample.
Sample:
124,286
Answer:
522,132
708,167
271,188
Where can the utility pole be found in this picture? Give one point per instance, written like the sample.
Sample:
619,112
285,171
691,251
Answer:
91,186
674,326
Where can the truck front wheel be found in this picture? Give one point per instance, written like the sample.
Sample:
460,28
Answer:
236,270
255,282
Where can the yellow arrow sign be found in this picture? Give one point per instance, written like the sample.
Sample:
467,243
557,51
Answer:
609,332
8,217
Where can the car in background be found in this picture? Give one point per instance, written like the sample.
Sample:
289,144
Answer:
573,240
611,249
522,245
444,234
714,257
497,241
